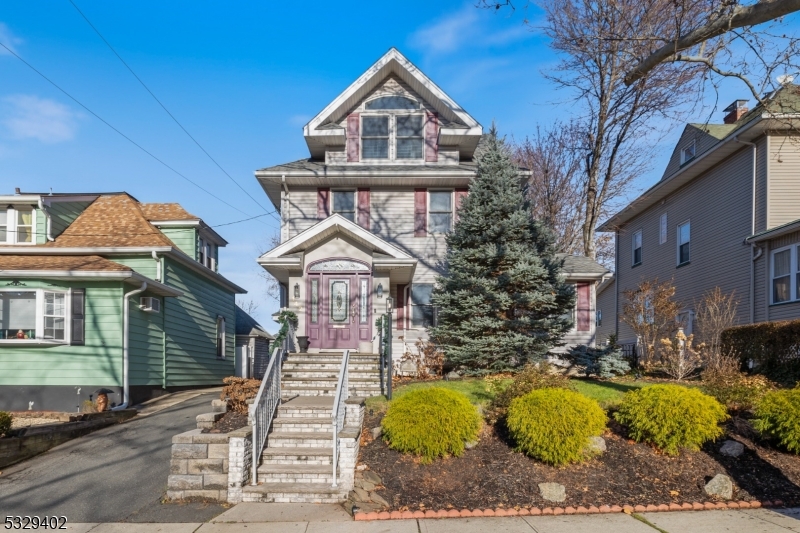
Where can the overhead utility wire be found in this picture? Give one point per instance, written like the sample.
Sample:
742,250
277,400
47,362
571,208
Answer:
101,119
146,88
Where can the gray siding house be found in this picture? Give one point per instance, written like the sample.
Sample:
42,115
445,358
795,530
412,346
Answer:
726,213
365,216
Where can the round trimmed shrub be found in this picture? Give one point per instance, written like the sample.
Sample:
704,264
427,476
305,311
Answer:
5,422
671,417
778,417
554,425
431,423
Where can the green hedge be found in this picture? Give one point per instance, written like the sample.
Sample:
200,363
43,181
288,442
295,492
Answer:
778,417
774,348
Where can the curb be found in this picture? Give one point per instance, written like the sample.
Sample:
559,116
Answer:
556,511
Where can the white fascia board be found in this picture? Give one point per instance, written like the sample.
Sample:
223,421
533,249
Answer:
354,170
19,199
475,131
205,271
338,221
207,232
86,275
393,54
668,185
585,275
180,223
393,263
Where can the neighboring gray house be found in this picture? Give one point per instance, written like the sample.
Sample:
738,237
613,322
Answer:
366,215
252,346
726,213
605,313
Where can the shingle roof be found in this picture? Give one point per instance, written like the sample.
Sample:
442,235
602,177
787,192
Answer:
111,221
578,264
718,131
170,211
247,325
84,263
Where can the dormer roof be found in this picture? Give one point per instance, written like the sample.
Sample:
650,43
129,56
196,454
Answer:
458,128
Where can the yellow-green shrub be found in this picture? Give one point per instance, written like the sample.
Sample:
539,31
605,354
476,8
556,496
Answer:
530,378
5,423
778,417
671,417
735,389
554,425
431,423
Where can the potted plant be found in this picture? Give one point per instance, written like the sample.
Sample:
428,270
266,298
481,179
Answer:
302,342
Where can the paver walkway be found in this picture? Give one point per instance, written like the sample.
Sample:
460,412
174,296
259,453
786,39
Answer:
310,518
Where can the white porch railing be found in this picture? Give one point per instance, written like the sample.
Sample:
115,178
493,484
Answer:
262,411
342,394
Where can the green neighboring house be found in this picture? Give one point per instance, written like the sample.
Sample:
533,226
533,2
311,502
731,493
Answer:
101,291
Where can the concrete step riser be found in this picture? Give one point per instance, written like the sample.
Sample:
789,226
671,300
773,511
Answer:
304,428
304,374
328,367
304,413
274,440
292,498
291,460
310,382
296,478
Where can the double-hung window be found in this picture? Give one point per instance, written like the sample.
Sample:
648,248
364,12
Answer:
220,337
784,284
440,211
392,128
409,136
17,225
344,203
422,311
40,315
636,245
375,137
684,243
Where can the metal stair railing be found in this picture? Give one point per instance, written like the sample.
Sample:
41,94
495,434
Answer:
262,411
342,394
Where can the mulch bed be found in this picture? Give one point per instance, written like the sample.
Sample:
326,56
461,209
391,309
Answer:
492,474
230,422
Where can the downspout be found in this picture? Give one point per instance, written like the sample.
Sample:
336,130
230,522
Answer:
125,346
158,265
616,284
47,216
753,246
284,208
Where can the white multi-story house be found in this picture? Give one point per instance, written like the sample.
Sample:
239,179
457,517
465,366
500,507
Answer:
364,217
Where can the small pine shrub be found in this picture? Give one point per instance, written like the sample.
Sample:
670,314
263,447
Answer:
5,423
601,362
431,423
734,389
671,417
778,417
554,425
530,378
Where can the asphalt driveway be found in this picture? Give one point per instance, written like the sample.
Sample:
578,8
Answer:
116,474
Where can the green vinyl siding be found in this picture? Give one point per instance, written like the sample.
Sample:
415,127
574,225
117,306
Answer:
62,214
40,237
146,343
99,361
190,325
144,264
184,238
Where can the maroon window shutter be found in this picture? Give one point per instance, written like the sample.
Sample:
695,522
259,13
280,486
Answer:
363,208
584,307
323,203
431,137
460,195
401,306
420,212
353,138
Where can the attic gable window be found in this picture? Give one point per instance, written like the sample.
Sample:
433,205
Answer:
375,137
17,224
391,102
688,152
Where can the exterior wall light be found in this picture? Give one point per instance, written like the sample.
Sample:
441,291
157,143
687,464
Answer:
296,291
380,290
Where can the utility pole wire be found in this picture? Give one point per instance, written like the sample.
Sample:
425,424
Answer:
146,88
104,121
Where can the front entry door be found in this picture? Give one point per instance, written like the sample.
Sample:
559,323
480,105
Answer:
340,312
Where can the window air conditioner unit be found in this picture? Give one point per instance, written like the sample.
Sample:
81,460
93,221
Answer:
150,304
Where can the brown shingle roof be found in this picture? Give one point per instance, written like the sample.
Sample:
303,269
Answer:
166,212
111,221
91,263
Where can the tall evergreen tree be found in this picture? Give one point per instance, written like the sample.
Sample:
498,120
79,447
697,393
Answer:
502,300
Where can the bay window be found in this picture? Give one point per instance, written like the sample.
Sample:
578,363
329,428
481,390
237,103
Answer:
785,274
37,315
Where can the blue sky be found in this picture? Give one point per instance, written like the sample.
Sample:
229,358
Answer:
242,78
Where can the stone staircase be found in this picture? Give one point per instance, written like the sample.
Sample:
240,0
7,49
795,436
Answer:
297,462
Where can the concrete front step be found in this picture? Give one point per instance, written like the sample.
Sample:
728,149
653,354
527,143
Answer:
299,439
294,455
311,392
297,424
293,493
299,473
328,367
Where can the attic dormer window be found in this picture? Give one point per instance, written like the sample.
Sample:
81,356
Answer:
391,102
688,152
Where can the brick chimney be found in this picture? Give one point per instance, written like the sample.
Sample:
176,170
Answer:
735,111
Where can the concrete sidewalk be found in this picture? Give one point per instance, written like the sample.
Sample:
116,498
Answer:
309,518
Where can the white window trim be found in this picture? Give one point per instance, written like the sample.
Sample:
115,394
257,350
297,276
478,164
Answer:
692,145
40,317
392,114
633,247
794,267
11,226
452,210
678,243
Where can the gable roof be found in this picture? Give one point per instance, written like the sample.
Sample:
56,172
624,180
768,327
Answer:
167,211
458,126
111,221
247,325
579,266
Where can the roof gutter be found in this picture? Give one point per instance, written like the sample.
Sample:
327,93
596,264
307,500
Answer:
753,247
